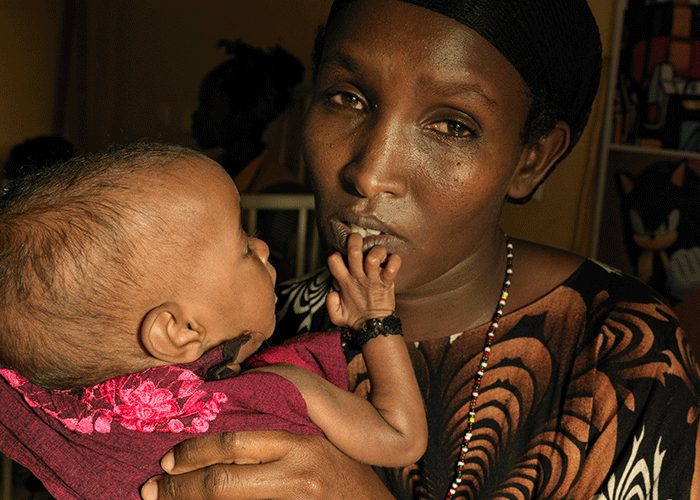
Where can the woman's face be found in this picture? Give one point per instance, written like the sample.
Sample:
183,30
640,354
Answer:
414,135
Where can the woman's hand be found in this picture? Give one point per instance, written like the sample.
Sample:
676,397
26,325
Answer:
261,464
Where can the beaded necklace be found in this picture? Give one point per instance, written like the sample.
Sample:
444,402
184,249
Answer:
491,332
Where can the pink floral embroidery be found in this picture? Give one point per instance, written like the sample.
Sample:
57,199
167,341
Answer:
163,399
103,424
13,378
145,407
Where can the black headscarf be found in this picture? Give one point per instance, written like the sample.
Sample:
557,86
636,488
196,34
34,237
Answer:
554,45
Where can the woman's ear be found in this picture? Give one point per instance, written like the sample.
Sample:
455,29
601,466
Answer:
169,335
537,160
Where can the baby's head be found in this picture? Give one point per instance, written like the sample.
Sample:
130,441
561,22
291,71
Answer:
133,258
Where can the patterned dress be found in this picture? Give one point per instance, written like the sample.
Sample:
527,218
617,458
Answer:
591,392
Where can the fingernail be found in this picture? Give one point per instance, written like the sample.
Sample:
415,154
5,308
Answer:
149,491
167,463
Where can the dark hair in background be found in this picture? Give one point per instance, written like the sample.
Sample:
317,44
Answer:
36,154
258,82
69,238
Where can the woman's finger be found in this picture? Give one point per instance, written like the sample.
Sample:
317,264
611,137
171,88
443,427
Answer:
227,448
220,466
286,466
222,481
334,309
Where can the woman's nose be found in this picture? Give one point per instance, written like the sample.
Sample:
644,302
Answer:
379,162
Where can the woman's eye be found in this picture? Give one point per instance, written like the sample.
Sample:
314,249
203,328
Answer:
453,128
347,100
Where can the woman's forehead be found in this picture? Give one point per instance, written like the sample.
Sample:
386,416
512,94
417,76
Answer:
553,44
403,42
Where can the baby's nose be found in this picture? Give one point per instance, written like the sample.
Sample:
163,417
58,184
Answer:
260,248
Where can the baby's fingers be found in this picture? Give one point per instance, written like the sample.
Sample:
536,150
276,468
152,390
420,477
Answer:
334,307
373,261
355,256
391,269
337,268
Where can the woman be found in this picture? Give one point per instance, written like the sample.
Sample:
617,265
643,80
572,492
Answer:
544,374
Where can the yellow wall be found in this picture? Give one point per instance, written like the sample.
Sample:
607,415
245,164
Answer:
145,59
29,42
564,215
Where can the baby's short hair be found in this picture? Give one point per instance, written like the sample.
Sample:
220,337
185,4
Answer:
70,242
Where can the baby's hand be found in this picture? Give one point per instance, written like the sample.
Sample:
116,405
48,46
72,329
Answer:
366,289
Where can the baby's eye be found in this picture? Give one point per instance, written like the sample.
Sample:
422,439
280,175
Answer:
249,250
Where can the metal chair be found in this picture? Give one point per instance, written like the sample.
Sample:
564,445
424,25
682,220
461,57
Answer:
307,240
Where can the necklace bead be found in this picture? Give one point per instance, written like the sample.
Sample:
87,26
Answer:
491,332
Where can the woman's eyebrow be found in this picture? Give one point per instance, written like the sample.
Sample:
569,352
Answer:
341,59
453,88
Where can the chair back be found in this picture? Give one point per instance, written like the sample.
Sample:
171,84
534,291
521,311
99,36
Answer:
306,254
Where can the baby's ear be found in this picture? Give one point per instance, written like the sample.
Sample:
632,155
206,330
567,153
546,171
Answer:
169,335
538,159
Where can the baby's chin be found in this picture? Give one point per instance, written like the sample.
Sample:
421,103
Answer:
252,345
235,368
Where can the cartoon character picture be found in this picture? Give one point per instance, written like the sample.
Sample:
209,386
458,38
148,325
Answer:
658,92
661,219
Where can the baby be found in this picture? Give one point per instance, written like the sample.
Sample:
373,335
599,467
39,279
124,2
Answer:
129,296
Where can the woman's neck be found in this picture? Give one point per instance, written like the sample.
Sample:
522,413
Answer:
462,298
466,296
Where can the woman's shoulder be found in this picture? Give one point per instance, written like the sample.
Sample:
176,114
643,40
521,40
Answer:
543,270
538,270
597,299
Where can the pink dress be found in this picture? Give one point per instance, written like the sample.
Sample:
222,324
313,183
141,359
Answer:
105,441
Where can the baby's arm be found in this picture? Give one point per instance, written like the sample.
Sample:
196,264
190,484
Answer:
390,428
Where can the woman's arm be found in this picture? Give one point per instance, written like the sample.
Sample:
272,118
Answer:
262,464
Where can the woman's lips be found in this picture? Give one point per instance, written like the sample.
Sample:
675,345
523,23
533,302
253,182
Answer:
370,237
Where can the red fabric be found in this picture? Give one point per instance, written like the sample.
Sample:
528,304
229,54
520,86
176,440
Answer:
106,441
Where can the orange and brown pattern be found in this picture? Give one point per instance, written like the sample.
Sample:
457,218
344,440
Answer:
591,392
